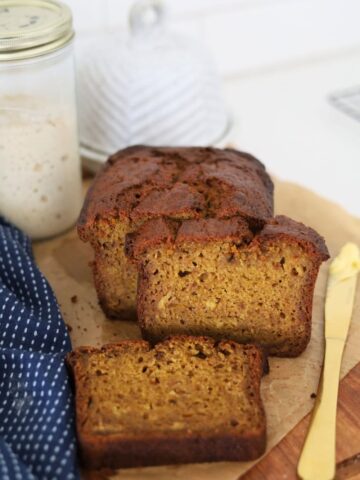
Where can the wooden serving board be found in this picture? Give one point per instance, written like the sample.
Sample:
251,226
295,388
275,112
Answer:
286,391
281,462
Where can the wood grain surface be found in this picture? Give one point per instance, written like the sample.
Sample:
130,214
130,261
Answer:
281,462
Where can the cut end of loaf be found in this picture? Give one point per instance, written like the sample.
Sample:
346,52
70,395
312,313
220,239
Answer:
185,400
115,276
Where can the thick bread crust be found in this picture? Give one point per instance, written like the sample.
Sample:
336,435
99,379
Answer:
162,231
141,182
120,451
117,452
282,226
167,232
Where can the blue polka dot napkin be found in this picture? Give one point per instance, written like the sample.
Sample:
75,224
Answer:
37,437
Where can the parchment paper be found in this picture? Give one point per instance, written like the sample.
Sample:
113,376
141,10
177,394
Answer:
285,391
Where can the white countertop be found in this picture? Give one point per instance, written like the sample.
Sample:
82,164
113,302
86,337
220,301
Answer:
284,118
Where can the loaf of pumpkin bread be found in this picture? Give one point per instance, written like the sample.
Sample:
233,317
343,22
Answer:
188,399
217,277
195,228
142,183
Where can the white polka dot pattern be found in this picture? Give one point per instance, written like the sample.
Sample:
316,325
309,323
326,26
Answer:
37,439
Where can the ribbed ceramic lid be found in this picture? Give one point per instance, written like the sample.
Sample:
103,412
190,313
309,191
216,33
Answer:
148,86
30,28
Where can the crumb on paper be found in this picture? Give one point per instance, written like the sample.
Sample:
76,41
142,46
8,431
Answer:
313,395
74,299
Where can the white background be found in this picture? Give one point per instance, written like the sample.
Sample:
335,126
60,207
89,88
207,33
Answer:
279,59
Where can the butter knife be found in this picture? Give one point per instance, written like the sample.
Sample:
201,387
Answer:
317,460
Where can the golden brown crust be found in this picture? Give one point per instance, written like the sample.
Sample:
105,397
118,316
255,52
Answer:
184,182
115,452
163,231
161,448
169,232
282,226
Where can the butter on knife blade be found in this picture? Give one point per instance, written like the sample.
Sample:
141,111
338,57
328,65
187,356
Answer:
347,263
341,291
317,460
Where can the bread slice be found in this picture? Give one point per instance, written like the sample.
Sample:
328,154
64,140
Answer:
216,277
188,399
140,183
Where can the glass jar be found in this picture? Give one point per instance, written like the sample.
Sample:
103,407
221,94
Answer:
40,173
169,92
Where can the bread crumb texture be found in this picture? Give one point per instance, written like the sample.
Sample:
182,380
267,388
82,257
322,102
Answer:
175,402
259,291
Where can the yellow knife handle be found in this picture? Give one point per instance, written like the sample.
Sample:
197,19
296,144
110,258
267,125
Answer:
317,461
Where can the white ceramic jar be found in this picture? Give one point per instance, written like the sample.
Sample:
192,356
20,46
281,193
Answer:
40,176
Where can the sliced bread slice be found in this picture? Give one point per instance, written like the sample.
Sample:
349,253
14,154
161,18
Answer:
187,399
216,277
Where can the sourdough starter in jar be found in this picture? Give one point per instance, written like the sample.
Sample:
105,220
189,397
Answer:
40,182
40,169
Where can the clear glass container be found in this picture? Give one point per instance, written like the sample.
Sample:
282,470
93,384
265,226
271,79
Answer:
148,86
40,172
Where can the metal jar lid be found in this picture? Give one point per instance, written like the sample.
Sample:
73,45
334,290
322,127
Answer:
29,28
